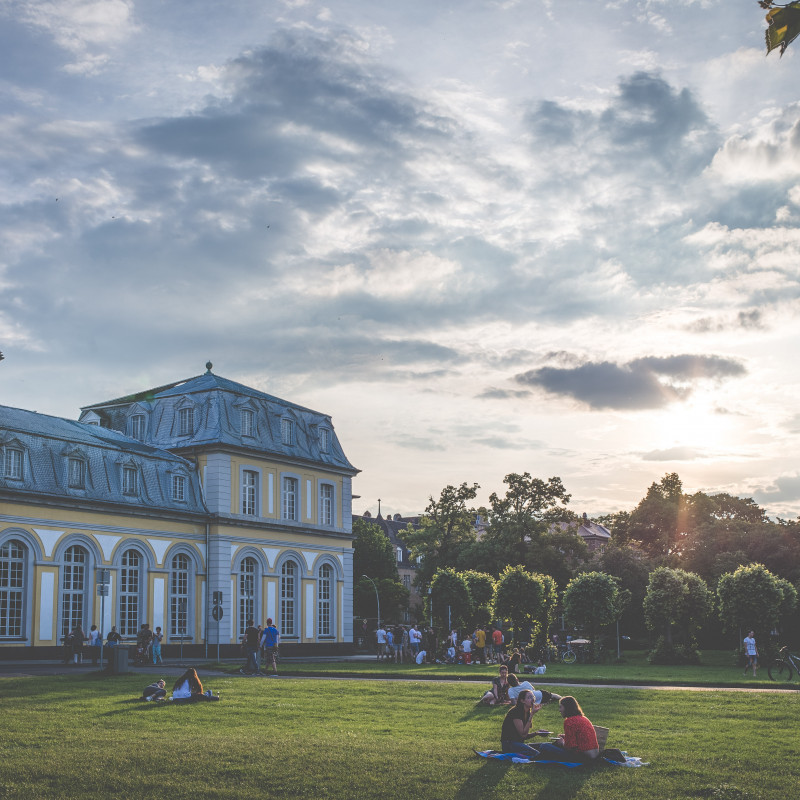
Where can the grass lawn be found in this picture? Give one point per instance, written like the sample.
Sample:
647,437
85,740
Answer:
83,736
716,669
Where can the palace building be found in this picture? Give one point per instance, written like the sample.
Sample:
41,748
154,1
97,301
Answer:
192,506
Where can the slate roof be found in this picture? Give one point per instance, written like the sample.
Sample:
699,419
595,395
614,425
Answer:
217,404
49,442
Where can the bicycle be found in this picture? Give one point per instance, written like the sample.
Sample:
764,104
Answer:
781,668
569,656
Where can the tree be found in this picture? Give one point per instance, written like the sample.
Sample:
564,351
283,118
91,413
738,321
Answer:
654,524
676,601
373,556
591,601
521,596
750,598
452,604
784,24
481,593
519,520
447,526
632,569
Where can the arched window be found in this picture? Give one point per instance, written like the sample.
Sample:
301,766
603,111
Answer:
325,601
247,592
12,588
73,588
289,599
129,592
179,596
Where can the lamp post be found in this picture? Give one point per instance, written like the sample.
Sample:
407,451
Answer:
430,604
377,599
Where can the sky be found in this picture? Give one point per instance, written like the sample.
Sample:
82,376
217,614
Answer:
485,237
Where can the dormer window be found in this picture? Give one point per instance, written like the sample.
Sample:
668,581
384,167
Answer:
324,440
130,481
76,473
179,488
247,422
186,422
399,555
137,426
13,463
287,431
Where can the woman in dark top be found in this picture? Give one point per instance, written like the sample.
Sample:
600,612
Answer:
517,726
498,694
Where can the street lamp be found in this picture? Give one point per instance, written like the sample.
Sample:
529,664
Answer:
377,599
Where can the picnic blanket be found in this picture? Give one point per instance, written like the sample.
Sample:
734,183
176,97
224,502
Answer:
518,758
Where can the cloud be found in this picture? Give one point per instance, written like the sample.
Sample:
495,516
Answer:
673,454
785,489
643,383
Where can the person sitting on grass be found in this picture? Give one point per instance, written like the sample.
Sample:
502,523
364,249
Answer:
578,743
517,726
189,688
155,691
498,694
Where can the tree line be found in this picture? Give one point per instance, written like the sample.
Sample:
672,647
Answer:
680,569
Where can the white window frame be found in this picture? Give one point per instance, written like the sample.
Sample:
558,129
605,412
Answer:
324,440
327,505
289,600
248,587
186,421
13,588
130,592
14,463
249,481
287,431
76,472
74,598
399,555
326,587
290,497
179,488
180,588
247,422
138,425
130,480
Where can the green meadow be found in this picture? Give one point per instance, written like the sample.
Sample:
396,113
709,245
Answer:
85,736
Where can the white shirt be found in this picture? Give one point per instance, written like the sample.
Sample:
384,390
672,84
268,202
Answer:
183,691
750,646
467,645
421,656
381,636
415,636
513,691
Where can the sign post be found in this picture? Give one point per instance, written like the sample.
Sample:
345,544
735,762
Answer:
217,612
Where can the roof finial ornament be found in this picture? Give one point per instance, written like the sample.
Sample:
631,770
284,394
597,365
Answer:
208,366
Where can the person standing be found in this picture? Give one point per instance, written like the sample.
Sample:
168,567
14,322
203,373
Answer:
77,640
380,635
751,651
270,639
479,638
250,643
94,641
158,636
415,638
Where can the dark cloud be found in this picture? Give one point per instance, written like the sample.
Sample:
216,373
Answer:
502,394
650,382
751,319
785,489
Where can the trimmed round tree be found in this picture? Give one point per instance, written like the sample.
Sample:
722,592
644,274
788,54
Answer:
591,602
520,596
451,599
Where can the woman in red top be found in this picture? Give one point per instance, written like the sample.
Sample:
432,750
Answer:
579,740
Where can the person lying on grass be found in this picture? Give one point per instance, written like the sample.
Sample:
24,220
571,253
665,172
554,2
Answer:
155,691
515,686
188,687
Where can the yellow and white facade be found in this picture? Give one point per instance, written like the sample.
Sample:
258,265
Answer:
203,503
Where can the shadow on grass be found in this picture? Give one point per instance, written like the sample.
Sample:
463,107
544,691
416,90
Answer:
561,783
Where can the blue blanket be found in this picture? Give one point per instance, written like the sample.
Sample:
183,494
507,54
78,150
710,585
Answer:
517,758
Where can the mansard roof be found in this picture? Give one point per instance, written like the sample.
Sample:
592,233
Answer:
48,443
217,404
